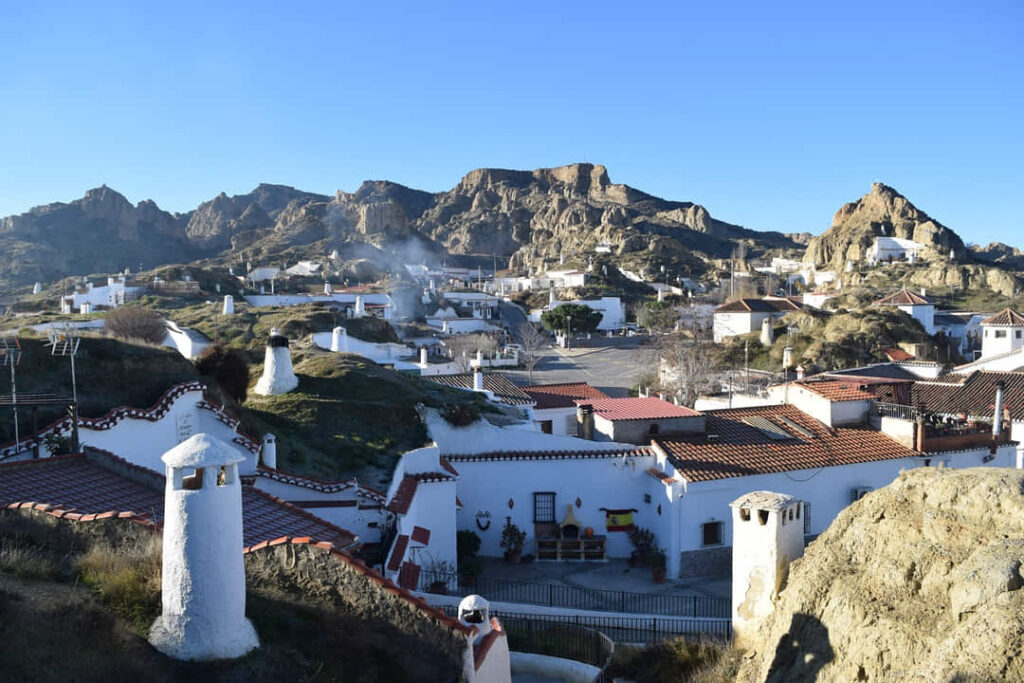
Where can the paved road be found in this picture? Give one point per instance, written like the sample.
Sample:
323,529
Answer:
612,365
512,317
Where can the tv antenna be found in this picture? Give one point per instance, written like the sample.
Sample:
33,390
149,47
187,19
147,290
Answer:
64,341
10,353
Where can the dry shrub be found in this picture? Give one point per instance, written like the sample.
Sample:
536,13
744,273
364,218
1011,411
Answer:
673,659
136,322
228,366
27,561
126,577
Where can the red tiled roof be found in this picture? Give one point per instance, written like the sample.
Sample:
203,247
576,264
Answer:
75,483
421,535
758,306
615,409
896,355
975,395
550,455
734,447
409,577
403,496
448,467
1006,317
319,484
904,297
839,390
561,395
660,476
494,382
398,553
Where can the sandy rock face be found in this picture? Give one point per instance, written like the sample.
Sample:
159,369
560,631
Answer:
920,580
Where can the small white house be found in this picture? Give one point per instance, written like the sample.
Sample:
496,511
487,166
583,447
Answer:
885,249
115,293
917,306
555,408
1002,333
743,316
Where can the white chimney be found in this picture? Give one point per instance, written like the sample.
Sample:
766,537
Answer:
327,288
360,307
339,339
787,357
269,453
767,535
923,292
997,413
423,356
478,379
229,305
661,295
551,298
203,582
278,376
800,372
85,308
37,288
767,332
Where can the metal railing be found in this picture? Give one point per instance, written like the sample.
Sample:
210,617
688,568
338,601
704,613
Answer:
576,597
897,410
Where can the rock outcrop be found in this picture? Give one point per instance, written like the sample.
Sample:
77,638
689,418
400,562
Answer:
881,212
920,580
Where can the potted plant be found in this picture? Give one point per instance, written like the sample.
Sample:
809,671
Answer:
656,560
440,573
512,539
642,541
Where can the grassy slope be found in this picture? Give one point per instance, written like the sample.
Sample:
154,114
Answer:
346,413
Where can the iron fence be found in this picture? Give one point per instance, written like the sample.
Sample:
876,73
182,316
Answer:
576,597
896,410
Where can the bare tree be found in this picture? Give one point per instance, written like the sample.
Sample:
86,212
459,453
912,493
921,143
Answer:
685,361
135,322
533,342
464,347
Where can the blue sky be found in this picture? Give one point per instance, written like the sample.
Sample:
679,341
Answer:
771,115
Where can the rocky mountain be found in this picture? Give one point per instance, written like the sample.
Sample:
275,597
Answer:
920,580
101,232
529,218
881,212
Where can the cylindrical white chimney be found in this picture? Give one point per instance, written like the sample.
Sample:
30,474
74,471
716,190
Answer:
661,295
478,380
997,416
85,308
339,342
423,356
269,453
800,372
229,305
327,288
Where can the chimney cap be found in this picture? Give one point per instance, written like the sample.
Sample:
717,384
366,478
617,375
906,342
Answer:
201,450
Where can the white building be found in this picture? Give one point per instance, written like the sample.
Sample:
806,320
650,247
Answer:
613,313
885,249
278,377
115,293
743,316
917,306
1003,333
554,411
372,303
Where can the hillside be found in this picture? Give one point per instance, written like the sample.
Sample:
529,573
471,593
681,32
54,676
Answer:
528,217
920,580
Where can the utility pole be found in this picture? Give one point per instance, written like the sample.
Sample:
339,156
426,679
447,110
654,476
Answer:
64,342
11,357
746,363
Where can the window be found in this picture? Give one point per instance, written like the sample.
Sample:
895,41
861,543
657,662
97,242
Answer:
711,533
1000,334
192,481
1017,334
807,518
653,429
543,507
545,426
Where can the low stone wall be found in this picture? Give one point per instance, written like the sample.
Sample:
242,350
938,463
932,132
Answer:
330,578
715,562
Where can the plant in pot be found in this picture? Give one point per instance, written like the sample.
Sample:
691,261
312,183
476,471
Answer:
512,539
656,560
440,573
642,541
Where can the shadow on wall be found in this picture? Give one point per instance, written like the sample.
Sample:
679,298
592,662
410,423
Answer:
802,652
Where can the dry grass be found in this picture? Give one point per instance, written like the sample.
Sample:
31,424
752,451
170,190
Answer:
675,660
125,578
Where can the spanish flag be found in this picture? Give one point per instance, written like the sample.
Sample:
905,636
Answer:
618,520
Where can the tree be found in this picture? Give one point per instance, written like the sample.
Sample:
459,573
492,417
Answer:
572,319
229,367
533,341
658,316
686,360
136,322
464,347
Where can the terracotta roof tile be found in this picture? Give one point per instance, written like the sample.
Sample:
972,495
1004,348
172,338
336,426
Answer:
561,395
73,482
403,496
420,535
448,467
615,409
839,390
896,355
398,553
974,396
904,297
734,447
1006,318
496,383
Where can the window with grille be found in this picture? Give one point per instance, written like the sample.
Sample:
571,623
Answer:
543,507
711,533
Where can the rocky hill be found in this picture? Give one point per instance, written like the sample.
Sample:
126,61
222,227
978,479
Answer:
530,218
920,580
881,212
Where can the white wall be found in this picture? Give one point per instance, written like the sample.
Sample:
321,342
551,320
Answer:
485,488
563,420
732,324
992,344
828,490
356,518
